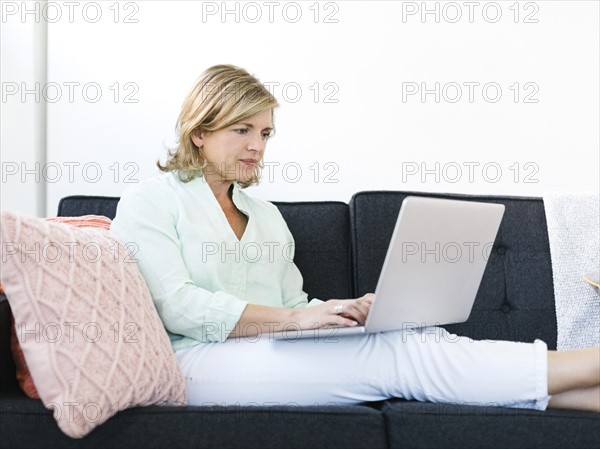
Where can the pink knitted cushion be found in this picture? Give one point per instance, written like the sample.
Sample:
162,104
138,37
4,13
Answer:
86,323
22,372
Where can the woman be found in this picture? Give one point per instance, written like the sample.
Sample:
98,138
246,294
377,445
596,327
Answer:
219,266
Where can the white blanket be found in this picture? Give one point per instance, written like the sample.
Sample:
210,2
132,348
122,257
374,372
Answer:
574,234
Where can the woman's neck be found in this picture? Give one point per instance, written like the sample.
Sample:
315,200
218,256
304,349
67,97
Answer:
221,189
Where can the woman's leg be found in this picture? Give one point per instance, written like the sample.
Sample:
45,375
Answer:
579,399
574,379
426,364
575,369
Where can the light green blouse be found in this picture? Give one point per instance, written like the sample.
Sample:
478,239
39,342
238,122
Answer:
200,276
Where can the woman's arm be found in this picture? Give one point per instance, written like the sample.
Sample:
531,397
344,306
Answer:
256,319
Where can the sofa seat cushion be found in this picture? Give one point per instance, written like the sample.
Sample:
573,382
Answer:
414,424
23,420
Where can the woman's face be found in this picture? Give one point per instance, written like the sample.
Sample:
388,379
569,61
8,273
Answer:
233,153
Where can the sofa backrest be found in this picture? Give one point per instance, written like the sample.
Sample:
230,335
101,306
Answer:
515,300
77,205
321,231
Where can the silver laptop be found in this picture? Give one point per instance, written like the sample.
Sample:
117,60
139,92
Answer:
432,270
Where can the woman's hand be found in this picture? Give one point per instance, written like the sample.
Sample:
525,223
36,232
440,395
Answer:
335,312
257,319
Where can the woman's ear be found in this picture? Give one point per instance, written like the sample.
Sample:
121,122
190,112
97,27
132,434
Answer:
197,137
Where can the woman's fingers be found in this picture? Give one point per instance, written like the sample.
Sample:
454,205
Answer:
343,313
346,322
369,297
348,312
363,305
340,320
360,312
354,309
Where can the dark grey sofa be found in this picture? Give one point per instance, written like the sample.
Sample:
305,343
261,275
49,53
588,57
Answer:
340,249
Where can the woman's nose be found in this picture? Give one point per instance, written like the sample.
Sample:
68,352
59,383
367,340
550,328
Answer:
257,143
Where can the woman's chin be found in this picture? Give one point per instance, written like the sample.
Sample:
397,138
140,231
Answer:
247,174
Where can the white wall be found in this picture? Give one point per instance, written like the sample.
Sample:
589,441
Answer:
22,115
371,137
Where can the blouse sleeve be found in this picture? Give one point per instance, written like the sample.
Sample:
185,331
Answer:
146,219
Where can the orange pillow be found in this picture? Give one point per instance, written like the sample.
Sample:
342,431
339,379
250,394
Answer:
23,375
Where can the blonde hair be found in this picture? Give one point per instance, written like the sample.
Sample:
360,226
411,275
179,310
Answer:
223,95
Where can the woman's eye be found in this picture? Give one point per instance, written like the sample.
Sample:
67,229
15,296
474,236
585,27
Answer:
243,131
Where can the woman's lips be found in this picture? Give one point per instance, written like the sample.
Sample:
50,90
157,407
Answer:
248,162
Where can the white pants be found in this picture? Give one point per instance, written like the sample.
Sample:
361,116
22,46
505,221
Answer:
428,364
